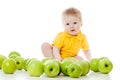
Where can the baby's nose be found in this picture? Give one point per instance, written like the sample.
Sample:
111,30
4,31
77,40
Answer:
71,26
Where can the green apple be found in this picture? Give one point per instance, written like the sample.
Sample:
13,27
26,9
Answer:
84,67
26,62
29,60
9,66
64,66
51,68
35,68
2,58
59,63
104,58
45,59
74,70
19,62
94,64
65,63
70,59
88,65
105,66
13,54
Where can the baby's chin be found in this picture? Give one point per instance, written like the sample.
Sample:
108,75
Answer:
73,33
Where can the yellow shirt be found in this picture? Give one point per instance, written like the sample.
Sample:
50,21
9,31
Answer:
70,45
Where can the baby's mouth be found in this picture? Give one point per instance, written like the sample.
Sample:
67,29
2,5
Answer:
72,30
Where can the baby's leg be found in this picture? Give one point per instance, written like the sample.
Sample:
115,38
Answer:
47,50
78,58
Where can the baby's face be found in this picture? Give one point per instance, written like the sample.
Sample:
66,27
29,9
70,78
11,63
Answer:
72,24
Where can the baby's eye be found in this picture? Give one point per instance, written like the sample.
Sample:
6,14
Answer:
75,23
67,24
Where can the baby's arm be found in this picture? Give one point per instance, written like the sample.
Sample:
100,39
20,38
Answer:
56,53
87,54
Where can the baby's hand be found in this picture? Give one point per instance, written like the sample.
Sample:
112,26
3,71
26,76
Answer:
60,59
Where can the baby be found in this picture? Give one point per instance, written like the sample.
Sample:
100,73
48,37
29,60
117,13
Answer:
70,41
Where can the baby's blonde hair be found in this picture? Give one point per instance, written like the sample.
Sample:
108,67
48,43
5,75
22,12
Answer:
74,12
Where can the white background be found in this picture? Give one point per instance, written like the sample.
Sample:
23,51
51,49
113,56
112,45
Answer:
26,24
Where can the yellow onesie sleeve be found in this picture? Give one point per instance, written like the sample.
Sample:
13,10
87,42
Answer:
85,45
58,41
